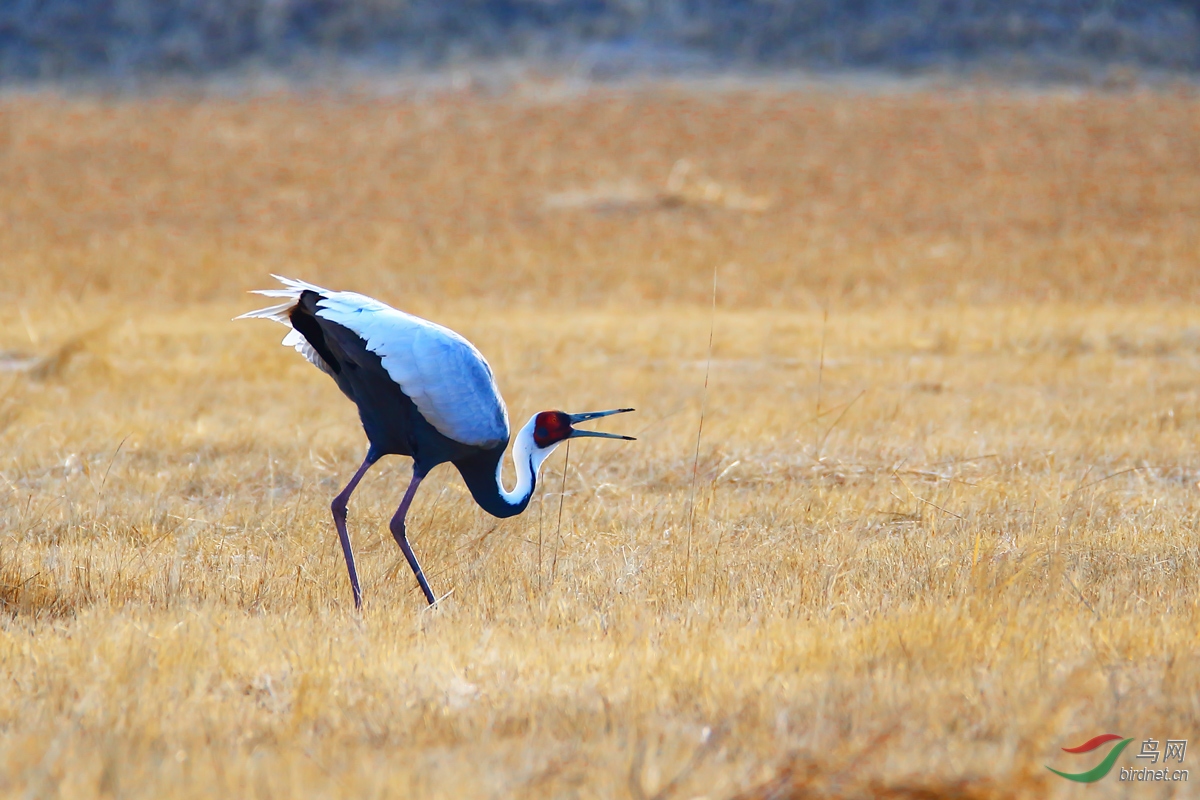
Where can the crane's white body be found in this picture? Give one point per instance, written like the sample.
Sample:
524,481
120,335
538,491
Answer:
447,378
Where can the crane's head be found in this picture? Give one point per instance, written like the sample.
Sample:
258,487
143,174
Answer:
547,430
552,427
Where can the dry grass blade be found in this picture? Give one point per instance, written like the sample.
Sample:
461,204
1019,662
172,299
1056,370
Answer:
562,497
691,509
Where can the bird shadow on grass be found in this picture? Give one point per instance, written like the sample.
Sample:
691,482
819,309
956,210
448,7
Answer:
802,777
32,596
54,363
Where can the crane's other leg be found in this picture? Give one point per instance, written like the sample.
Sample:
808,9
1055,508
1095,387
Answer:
338,507
397,527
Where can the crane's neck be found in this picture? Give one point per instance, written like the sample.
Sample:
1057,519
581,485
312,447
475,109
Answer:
481,473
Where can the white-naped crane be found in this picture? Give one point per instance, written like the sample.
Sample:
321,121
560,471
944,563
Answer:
422,391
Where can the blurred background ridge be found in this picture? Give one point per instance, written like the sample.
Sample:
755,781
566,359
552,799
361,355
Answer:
604,39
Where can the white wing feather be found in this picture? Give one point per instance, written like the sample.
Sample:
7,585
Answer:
446,377
296,340
280,314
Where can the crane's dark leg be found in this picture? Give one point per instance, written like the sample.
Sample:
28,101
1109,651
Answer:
397,527
338,507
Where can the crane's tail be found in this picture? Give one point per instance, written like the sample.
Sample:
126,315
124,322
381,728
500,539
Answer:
281,313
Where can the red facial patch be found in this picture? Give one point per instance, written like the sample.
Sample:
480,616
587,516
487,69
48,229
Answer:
550,427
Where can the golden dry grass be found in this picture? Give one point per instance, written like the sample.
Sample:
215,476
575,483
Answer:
916,571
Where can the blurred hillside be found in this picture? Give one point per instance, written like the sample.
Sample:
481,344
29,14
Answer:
125,38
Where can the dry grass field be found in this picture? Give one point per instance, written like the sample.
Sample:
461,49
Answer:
945,507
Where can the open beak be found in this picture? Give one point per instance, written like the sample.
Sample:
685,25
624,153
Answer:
575,419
